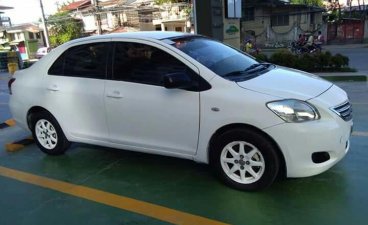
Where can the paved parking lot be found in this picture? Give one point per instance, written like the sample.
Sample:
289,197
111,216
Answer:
96,185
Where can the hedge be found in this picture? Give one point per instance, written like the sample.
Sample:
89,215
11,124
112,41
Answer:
316,62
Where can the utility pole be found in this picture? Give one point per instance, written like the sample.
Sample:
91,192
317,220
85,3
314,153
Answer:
97,17
194,5
45,31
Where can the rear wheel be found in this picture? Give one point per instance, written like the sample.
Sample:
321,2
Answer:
244,159
48,134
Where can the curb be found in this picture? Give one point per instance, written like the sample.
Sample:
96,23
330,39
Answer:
18,145
345,78
7,123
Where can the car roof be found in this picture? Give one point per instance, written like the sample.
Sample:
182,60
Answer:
157,35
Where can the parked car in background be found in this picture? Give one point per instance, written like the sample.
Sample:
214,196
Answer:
184,96
42,52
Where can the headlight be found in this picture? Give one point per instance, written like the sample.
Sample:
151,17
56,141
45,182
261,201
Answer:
294,111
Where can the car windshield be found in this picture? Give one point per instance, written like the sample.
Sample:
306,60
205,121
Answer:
223,60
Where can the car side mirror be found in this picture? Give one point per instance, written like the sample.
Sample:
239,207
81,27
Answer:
178,80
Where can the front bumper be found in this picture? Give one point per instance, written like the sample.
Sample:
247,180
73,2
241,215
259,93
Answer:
299,141
330,134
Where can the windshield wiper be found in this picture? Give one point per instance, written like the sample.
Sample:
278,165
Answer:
256,65
235,73
252,68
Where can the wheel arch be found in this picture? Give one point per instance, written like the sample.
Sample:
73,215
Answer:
33,110
228,127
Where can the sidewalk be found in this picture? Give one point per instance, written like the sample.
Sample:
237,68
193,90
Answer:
339,74
348,76
345,46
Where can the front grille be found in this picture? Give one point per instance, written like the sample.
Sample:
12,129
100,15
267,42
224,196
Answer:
344,110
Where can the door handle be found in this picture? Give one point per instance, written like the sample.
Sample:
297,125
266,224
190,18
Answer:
114,94
53,87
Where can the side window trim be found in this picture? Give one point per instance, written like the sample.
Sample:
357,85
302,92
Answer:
161,47
107,56
204,85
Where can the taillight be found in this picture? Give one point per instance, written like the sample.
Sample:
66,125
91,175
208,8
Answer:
11,81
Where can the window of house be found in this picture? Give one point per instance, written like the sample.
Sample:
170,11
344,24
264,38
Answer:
31,35
280,20
312,18
88,60
103,18
38,35
139,63
145,18
248,13
178,29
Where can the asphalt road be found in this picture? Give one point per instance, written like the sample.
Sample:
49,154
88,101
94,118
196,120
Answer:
358,55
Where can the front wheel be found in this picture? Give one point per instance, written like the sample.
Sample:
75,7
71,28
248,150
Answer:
245,159
48,134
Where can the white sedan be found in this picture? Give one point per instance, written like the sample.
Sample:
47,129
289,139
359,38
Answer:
185,96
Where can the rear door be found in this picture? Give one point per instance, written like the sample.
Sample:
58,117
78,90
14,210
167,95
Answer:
74,90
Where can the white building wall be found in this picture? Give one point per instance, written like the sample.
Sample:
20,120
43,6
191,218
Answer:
89,23
110,20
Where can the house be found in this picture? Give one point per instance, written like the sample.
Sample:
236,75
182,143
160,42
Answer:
173,17
122,15
4,23
27,38
347,21
76,8
275,23
4,20
110,14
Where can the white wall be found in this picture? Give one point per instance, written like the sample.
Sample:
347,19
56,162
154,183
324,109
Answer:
89,23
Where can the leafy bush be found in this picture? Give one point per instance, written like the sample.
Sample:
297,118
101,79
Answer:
307,62
318,62
261,57
340,61
284,58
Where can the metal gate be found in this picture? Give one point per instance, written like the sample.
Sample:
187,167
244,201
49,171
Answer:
347,31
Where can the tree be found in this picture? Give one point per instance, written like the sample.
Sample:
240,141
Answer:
64,28
308,2
161,2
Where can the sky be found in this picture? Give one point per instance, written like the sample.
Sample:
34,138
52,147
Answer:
28,10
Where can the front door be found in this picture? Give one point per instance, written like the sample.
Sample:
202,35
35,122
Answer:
140,111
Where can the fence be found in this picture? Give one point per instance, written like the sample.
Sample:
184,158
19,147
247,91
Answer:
347,31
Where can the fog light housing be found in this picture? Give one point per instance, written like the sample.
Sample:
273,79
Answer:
320,157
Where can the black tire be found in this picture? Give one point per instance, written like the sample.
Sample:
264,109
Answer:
60,145
266,153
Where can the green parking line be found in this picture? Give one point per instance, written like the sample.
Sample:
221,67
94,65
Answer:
121,202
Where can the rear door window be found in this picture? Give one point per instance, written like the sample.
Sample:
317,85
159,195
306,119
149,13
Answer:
89,60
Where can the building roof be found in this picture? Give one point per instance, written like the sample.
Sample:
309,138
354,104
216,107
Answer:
2,7
142,35
30,27
76,5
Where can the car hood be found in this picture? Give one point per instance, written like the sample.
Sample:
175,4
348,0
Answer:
287,83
